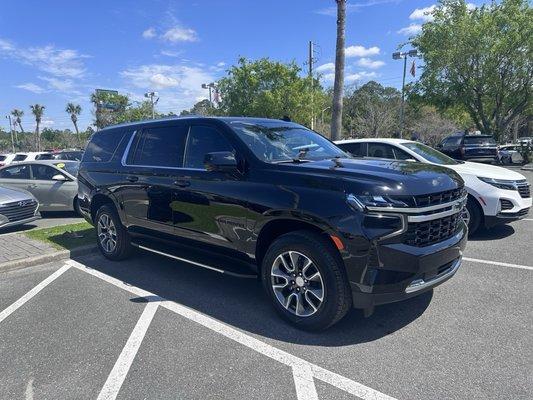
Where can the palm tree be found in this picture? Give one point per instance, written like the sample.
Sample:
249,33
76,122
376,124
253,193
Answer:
338,86
37,110
74,110
17,116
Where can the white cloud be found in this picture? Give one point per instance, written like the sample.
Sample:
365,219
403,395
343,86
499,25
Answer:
179,34
179,86
61,85
358,76
55,61
170,53
410,30
425,14
32,87
328,67
221,64
149,33
369,63
361,51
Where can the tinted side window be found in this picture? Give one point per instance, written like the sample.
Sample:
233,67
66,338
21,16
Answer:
16,172
355,149
102,145
402,155
203,140
43,172
380,150
161,147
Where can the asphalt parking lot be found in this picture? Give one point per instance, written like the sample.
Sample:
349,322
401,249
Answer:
151,328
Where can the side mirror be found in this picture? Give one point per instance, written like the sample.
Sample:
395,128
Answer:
223,161
59,178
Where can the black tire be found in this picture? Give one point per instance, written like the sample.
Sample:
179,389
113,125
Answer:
76,206
337,299
475,215
123,247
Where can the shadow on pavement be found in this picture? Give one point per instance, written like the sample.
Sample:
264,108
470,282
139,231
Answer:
495,233
242,303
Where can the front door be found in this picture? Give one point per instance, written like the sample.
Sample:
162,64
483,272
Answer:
152,168
52,195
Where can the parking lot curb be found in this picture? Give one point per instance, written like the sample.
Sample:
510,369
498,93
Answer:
46,258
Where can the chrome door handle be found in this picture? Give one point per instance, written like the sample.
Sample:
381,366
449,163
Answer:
181,183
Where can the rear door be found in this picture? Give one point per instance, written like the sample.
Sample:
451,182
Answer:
153,167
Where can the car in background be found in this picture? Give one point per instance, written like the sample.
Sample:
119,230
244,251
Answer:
17,207
470,147
54,183
496,195
510,154
29,156
6,159
72,155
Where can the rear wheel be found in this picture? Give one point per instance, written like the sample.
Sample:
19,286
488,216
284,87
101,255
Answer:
112,238
306,281
77,207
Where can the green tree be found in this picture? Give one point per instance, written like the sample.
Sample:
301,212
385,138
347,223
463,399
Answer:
37,111
109,108
481,59
74,110
265,88
203,107
17,116
139,112
338,85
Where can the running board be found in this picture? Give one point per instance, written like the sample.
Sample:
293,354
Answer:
172,256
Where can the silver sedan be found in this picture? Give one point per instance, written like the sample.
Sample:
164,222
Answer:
17,207
52,182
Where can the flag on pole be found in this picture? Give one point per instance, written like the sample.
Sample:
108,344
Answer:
413,69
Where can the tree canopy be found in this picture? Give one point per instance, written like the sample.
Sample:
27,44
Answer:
481,59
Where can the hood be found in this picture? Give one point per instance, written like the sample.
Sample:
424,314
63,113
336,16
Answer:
486,171
385,176
8,195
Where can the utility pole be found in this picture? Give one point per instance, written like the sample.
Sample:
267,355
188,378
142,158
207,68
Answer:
398,56
212,87
11,131
151,95
310,62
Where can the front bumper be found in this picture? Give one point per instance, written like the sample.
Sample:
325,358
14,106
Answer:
505,217
4,222
404,271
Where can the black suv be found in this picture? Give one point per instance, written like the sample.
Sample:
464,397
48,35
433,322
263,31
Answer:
470,147
245,196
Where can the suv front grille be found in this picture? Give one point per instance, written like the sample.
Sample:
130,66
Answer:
19,210
524,190
423,234
438,198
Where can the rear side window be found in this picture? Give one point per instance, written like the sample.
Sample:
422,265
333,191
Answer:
380,150
16,172
102,145
355,149
20,157
160,147
203,140
480,140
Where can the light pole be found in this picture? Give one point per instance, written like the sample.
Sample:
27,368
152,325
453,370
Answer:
398,56
322,114
151,95
211,86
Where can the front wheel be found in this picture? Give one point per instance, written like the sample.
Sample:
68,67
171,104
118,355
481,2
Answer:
472,215
306,281
112,238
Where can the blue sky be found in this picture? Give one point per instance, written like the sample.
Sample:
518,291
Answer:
56,51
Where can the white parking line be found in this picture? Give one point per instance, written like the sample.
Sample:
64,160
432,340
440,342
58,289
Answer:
304,382
20,302
122,366
500,264
341,382
527,219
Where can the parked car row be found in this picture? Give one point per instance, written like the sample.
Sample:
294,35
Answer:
496,195
73,155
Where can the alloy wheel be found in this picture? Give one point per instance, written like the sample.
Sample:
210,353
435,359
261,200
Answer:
107,233
465,214
297,283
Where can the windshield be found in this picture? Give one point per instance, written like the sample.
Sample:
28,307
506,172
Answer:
20,157
480,140
280,142
430,154
71,167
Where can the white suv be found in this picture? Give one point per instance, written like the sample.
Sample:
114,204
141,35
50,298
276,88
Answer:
496,195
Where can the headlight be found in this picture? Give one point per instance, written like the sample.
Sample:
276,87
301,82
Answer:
499,183
361,202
